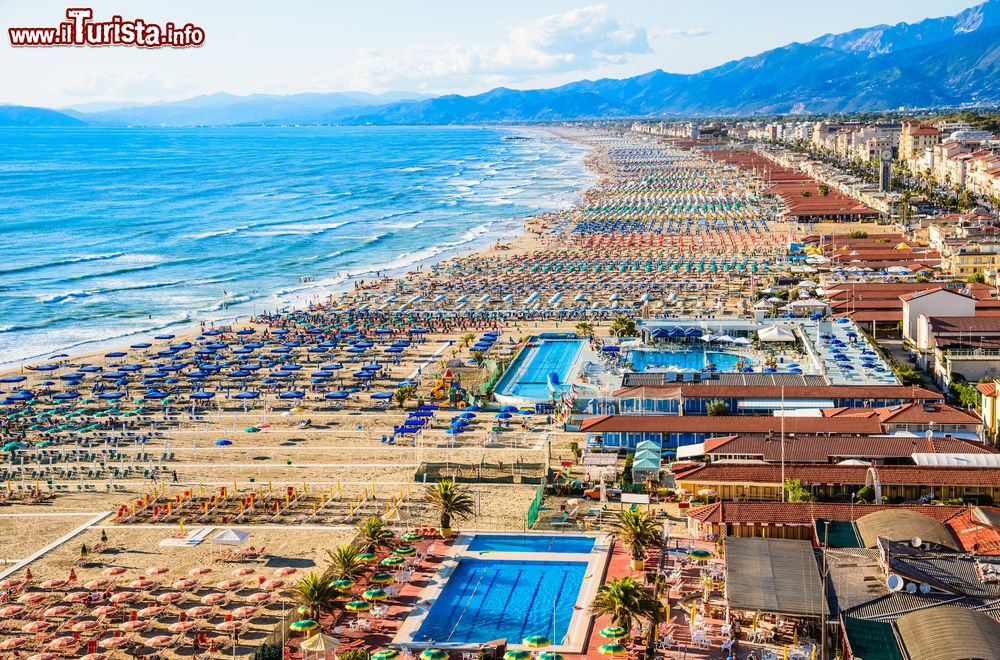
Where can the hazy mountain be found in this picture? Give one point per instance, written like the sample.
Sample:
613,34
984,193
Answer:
20,115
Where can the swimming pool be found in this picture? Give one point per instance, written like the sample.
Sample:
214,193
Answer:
642,360
531,543
486,600
527,377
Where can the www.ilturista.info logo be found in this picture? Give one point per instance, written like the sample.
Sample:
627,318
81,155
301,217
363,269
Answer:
82,30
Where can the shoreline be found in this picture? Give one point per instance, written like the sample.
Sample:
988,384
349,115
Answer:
342,285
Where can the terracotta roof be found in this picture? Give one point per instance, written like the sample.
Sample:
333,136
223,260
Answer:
793,513
989,389
972,324
728,424
923,413
898,475
867,316
926,292
825,449
709,390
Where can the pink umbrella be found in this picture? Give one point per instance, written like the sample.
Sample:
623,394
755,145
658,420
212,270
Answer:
64,643
198,611
169,597
95,656
114,571
57,610
229,626
76,597
272,585
243,572
259,597
185,584
150,612
54,583
157,570
36,626
133,626
143,583
230,585
199,570
286,571
114,642
244,612
122,597
12,643
213,599
83,626
44,656
12,583
11,611
182,626
160,640
98,584
31,599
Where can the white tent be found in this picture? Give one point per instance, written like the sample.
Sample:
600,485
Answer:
775,333
231,537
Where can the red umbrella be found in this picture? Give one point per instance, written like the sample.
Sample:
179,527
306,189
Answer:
286,571
151,611
36,626
98,584
83,626
160,640
143,583
57,610
44,656
54,583
11,611
133,626
198,611
12,583
76,597
229,585
114,642
64,643
157,570
169,597
244,612
114,571
213,599
259,597
182,626
185,584
12,643
243,572
199,570
272,585
122,597
229,626
31,599
104,610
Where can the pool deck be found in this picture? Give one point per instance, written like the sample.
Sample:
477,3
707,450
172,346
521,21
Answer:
522,361
577,636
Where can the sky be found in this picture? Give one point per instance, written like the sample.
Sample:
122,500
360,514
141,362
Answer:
426,46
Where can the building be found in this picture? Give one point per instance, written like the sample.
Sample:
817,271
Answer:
936,300
915,137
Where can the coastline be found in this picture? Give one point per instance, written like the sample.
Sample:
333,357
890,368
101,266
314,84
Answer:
590,161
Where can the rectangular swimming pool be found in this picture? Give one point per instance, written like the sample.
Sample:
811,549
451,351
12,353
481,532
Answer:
486,600
528,377
531,543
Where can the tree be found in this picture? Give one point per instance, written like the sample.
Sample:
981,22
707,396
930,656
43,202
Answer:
314,593
451,501
374,534
824,190
345,563
962,393
478,357
976,278
858,234
717,408
806,193
865,494
623,326
404,394
468,338
585,329
638,531
626,603
796,491
626,473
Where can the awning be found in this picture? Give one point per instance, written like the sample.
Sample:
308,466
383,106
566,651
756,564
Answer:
957,460
778,404
780,576
691,451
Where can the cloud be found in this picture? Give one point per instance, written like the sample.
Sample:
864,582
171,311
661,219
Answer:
684,32
578,40
127,85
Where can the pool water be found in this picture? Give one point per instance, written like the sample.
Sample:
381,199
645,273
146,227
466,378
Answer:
528,375
642,360
486,600
529,543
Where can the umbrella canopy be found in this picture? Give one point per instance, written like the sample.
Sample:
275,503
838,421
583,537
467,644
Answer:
434,654
304,625
385,654
375,594
613,632
392,560
381,578
516,655
612,649
699,555
536,641
320,643
358,606
342,584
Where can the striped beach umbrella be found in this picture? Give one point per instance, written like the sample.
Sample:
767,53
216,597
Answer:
304,625
613,632
614,649
537,641
358,606
368,557
516,655
342,584
375,594
549,655
392,560
434,654
405,550
385,654
381,578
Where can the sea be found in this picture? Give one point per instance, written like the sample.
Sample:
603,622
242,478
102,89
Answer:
108,235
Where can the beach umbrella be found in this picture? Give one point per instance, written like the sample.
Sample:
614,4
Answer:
198,611
612,649
169,597
11,611
342,584
613,633
381,578
232,626
699,554
31,599
104,610
199,570
114,642
13,643
272,585
517,655
368,557
143,583
182,626
123,597
536,641
549,655
303,625
393,560
285,571
259,597
157,570
66,643
229,585
434,654
185,583
212,599
114,571
358,606
375,595
133,626
57,610
97,584
159,641
385,654
244,612
410,537
54,583
36,626
84,626
405,550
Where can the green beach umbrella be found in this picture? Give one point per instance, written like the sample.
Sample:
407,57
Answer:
698,554
410,537
375,594
405,550
516,655
536,641
342,585
368,557
381,578
434,654
613,632
358,606
549,655
304,625
385,654
612,649
392,560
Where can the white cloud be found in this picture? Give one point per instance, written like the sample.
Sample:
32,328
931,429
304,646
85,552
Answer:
684,32
128,85
579,40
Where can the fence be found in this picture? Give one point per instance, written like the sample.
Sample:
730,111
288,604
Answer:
482,473
535,504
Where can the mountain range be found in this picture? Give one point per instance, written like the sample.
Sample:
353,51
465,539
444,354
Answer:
936,62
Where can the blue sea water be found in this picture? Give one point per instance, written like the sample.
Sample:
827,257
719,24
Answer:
112,233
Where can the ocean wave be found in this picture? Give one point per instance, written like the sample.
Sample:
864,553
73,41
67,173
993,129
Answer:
220,232
412,169
62,262
111,273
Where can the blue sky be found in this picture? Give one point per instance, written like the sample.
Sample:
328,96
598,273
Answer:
430,46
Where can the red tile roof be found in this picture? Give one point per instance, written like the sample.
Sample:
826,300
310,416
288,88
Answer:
712,391
791,513
728,424
989,389
971,324
926,292
825,449
923,413
896,475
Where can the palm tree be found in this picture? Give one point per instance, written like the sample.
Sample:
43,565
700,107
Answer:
315,594
344,563
623,326
374,534
451,501
585,328
626,602
404,394
637,530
